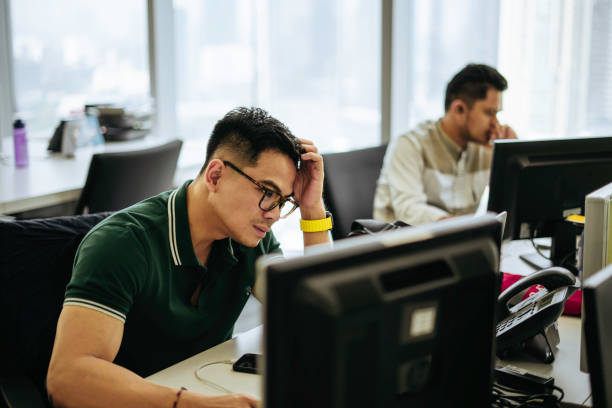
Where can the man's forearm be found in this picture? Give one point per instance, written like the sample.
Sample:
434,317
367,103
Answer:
92,382
89,381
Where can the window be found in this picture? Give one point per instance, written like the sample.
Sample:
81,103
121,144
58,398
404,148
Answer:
432,40
556,55
67,54
314,65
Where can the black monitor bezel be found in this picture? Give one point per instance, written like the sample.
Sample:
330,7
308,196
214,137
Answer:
358,250
501,191
597,298
512,157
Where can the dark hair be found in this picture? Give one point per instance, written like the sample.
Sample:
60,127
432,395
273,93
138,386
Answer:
250,131
472,83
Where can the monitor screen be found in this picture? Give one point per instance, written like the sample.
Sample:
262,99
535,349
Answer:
597,317
541,182
403,318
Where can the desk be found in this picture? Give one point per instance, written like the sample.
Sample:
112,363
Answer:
183,374
510,252
565,368
50,180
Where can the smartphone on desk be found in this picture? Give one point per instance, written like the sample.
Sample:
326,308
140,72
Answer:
247,363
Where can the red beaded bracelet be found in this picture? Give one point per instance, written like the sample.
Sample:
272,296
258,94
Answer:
178,395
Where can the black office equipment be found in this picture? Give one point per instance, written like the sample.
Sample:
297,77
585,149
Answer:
403,318
75,132
350,184
596,248
519,379
120,124
118,180
36,259
541,182
247,363
530,324
597,318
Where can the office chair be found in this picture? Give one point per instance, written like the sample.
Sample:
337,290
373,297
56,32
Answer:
118,180
350,184
36,259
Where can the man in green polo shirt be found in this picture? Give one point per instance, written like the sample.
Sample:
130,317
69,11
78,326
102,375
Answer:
167,278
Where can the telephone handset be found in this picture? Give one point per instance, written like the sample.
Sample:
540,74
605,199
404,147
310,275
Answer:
530,325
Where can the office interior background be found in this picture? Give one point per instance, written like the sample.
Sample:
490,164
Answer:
346,74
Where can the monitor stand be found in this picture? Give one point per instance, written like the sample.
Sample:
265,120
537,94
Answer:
541,345
562,249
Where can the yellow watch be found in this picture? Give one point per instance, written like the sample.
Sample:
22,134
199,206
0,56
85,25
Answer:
317,225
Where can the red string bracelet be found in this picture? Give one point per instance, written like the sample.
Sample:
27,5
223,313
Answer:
178,396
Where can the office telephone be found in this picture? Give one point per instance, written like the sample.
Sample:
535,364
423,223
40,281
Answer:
531,324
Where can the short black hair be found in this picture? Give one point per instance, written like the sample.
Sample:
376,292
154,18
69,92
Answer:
472,83
248,132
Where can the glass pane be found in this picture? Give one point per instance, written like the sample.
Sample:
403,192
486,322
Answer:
68,53
599,102
433,40
313,64
555,55
215,62
557,58
324,70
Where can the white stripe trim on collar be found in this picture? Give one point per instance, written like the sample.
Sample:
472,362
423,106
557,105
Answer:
172,228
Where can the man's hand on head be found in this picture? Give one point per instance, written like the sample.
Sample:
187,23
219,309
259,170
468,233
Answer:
308,191
308,185
503,132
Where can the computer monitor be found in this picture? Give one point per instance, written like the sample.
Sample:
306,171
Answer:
597,317
541,182
597,245
597,242
403,318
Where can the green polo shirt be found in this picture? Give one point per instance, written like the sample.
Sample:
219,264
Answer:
139,267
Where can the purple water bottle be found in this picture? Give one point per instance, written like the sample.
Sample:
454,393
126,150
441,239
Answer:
20,143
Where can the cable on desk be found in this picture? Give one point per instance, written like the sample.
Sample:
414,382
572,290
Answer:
210,383
506,397
563,263
536,246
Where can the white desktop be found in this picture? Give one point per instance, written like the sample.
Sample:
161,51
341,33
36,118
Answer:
564,370
52,179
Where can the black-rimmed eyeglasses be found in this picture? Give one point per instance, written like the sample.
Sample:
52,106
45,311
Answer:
270,199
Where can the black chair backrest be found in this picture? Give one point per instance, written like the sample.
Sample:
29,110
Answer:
350,184
36,259
118,180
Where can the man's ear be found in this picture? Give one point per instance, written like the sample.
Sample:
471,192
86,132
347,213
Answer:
458,107
213,174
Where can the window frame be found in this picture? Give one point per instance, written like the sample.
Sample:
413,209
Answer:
7,97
